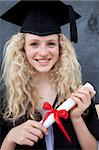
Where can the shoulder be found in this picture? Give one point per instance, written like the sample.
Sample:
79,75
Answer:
3,129
2,92
2,100
91,112
97,108
91,119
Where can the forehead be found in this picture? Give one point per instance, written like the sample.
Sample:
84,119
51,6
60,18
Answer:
29,36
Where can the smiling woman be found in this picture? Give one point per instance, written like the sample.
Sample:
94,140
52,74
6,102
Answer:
42,52
40,65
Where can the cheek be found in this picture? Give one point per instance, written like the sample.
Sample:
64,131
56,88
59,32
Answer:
28,55
56,53
29,52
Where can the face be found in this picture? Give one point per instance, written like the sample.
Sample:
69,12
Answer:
42,51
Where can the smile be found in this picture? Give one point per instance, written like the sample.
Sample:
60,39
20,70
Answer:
42,60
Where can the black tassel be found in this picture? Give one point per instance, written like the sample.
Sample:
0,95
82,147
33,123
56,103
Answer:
73,27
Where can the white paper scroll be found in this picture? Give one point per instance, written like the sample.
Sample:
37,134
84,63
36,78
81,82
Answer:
67,105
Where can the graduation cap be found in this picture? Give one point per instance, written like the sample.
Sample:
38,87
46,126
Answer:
43,17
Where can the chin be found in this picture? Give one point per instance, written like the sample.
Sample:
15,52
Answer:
43,70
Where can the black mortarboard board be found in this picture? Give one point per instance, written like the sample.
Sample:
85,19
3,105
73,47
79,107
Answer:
43,17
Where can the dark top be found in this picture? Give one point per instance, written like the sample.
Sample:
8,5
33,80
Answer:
60,141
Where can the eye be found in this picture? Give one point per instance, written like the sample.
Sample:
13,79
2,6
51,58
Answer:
34,44
51,44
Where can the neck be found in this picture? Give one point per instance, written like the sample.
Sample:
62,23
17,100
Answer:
43,78
46,90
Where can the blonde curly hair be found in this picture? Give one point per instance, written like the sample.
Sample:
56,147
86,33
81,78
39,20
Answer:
21,80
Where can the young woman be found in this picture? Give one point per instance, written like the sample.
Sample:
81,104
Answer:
39,69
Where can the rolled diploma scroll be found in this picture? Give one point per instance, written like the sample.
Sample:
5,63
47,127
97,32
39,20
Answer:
67,105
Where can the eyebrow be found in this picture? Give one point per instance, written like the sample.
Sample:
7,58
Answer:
52,40
37,40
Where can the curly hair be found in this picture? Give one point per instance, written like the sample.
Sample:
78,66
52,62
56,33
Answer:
21,80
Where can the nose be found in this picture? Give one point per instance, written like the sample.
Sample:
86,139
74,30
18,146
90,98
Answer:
43,51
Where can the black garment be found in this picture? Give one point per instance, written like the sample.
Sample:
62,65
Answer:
60,141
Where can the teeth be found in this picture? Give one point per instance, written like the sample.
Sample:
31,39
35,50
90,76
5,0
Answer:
43,61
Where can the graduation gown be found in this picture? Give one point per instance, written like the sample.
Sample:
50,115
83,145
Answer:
60,141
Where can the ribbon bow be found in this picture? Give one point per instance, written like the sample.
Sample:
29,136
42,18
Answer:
57,115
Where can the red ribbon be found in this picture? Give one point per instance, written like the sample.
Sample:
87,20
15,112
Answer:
57,115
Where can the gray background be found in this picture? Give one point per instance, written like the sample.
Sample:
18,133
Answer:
87,48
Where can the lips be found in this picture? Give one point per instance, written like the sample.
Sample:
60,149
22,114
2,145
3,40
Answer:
43,60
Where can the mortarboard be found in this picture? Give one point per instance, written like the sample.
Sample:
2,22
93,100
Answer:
42,17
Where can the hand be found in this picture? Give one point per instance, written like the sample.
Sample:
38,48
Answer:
82,97
27,133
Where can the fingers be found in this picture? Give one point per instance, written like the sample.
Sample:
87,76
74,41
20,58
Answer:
36,132
81,105
28,142
33,130
27,133
85,94
91,91
37,127
82,97
33,137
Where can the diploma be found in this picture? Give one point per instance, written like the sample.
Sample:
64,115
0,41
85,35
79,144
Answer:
67,105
